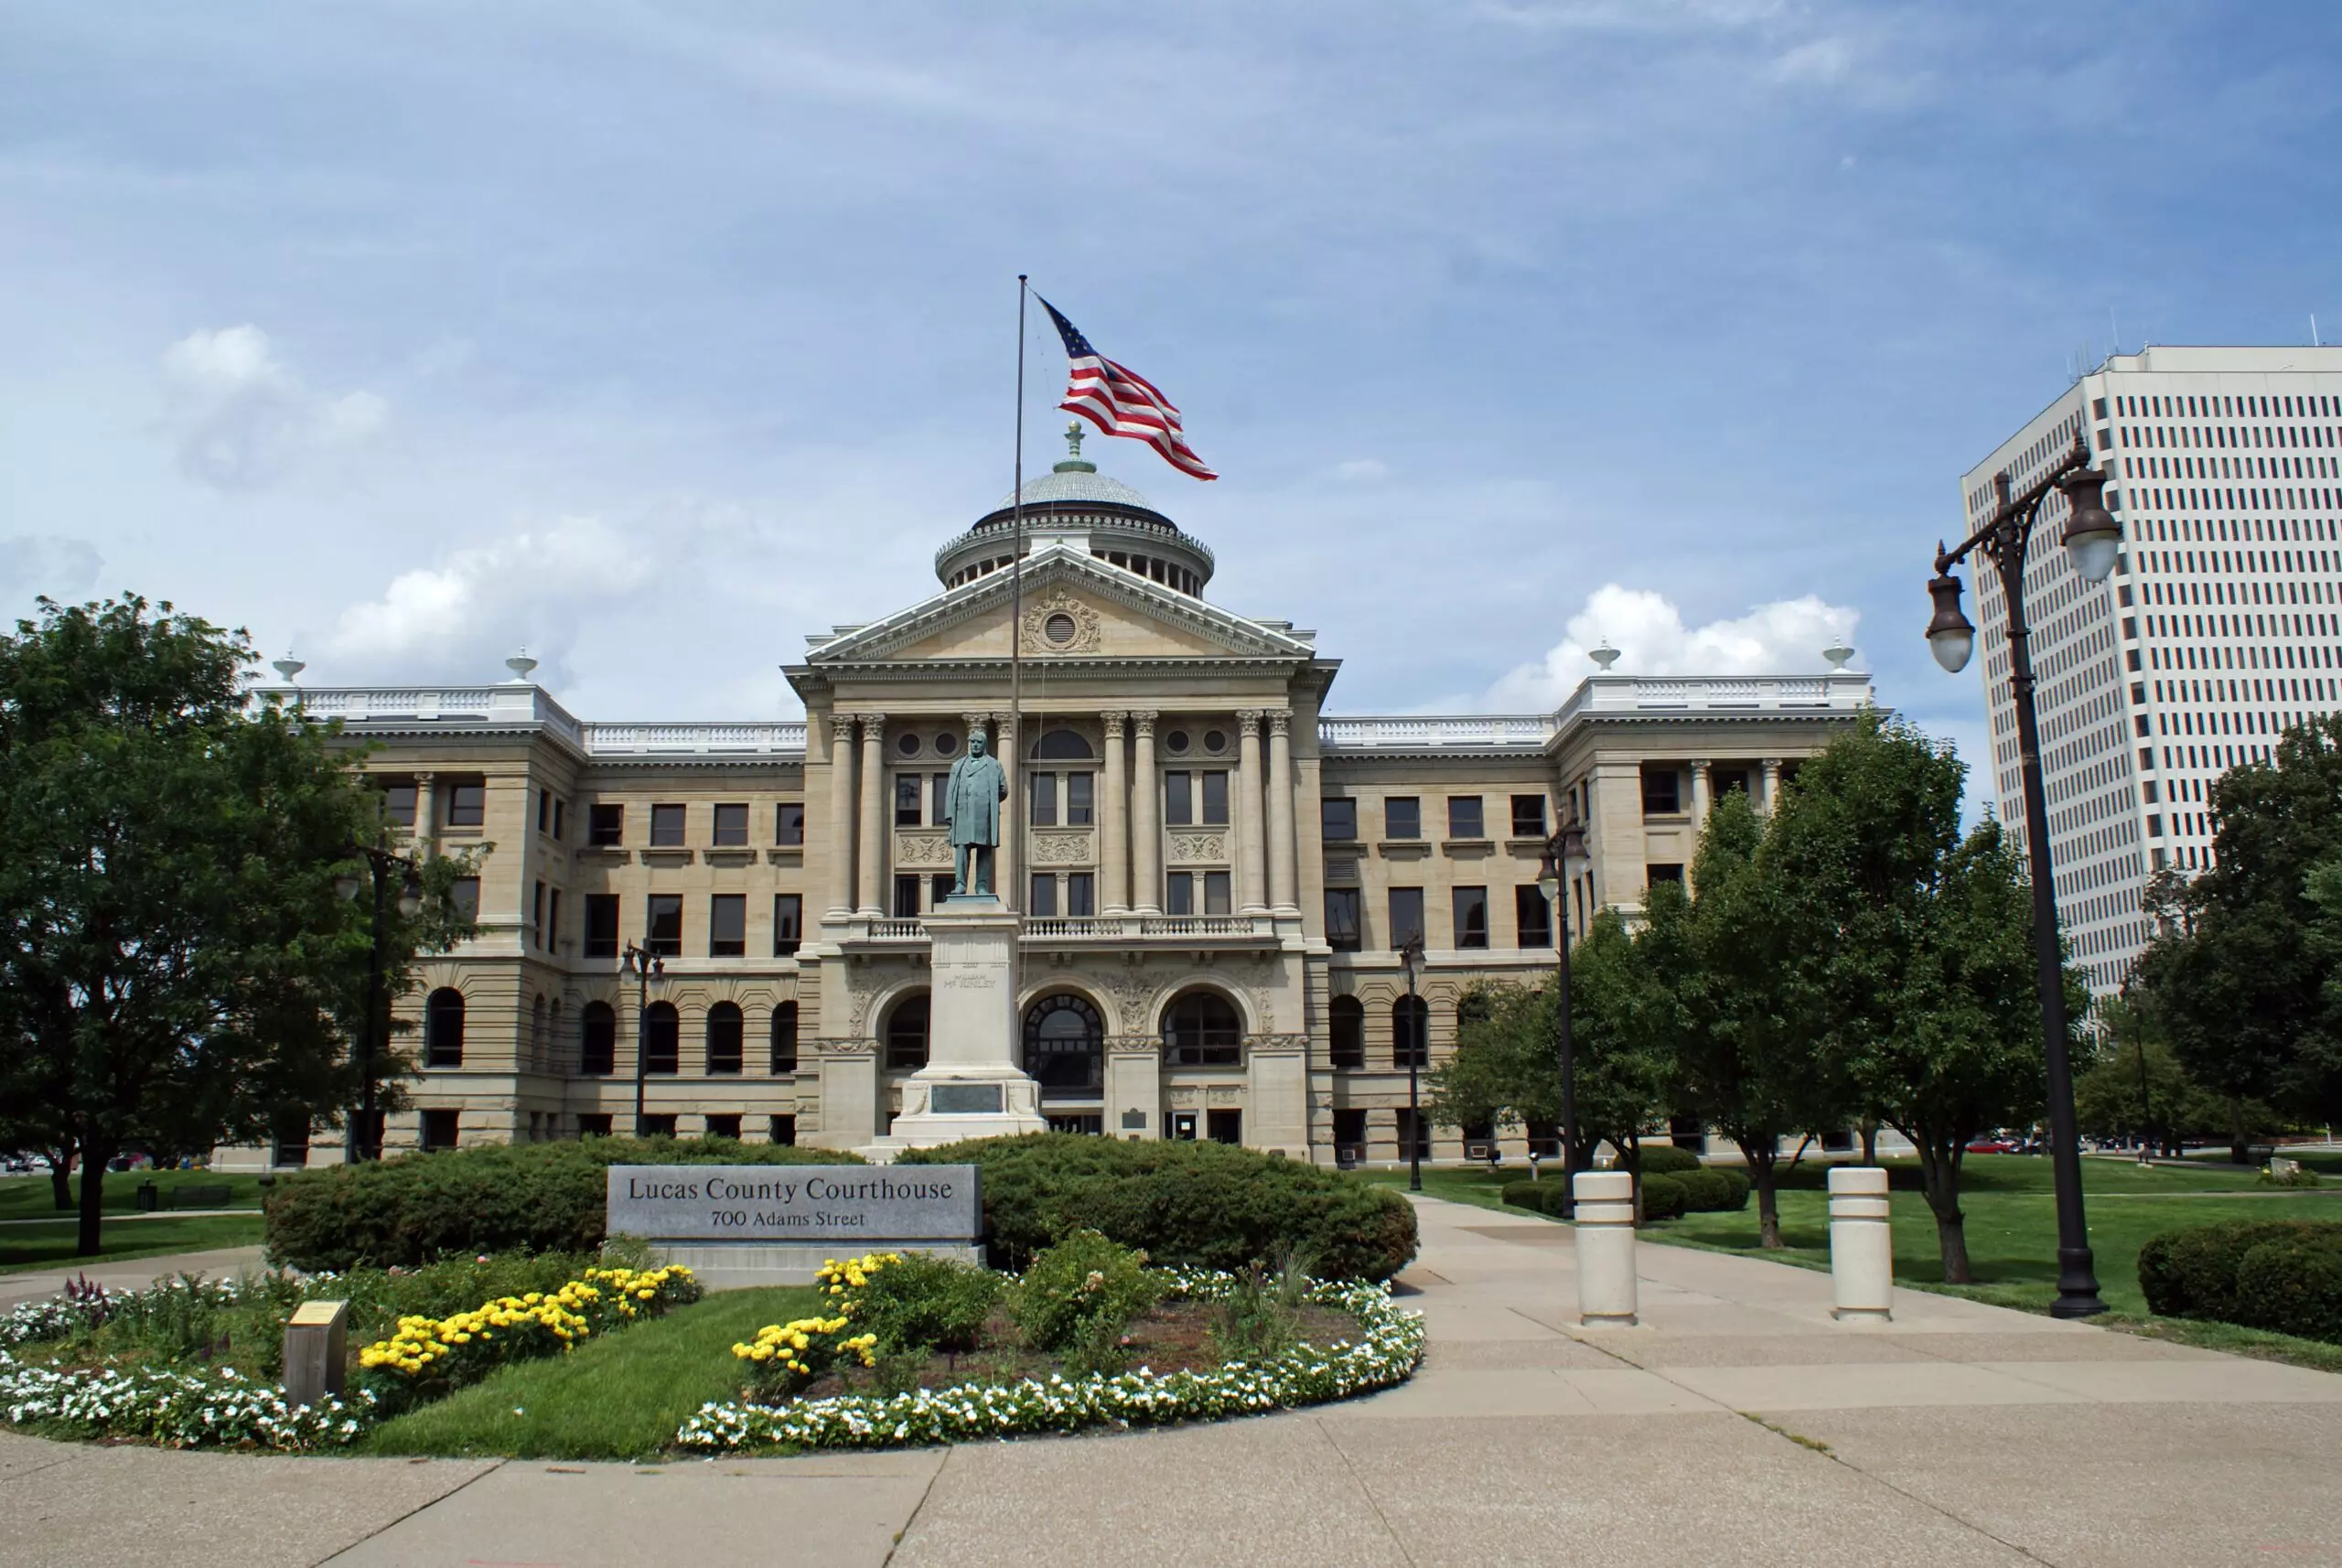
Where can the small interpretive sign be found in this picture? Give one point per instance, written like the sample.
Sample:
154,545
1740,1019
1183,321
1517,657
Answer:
796,1203
964,1100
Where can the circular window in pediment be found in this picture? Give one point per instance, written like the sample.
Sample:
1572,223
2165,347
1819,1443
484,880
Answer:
946,744
908,745
1060,628
1175,743
1215,740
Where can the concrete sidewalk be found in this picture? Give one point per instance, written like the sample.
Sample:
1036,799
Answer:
1737,1424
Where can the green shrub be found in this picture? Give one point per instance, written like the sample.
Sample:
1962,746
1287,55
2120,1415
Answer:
2193,1272
924,1301
1665,1198
1260,1317
1526,1194
1709,1191
1556,1199
1197,1204
1666,1159
496,1198
2294,1286
1080,1295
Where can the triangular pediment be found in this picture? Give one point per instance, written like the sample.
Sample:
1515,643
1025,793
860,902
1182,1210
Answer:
1074,606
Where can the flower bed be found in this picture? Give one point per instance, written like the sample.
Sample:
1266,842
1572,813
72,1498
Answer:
180,1409
1386,1353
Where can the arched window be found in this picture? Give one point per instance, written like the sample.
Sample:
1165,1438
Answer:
442,1028
663,1038
784,1038
725,1030
1410,1032
1346,1023
553,1037
597,1039
1201,1029
537,1033
1065,1044
1061,746
906,1033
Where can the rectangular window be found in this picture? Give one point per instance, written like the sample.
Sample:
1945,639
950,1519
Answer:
552,922
1044,902
732,825
1471,909
604,824
1662,792
666,827
940,888
1180,892
938,791
1041,791
1338,818
1178,801
1216,901
1082,894
1342,932
723,1126
727,925
663,924
537,914
601,924
908,788
788,923
464,893
658,1124
398,803
1464,818
1528,816
1533,917
440,1129
1415,1129
1663,872
1078,806
467,805
544,811
1406,916
1402,818
1215,799
784,1131
788,822
594,1124
906,898
1349,1132
560,809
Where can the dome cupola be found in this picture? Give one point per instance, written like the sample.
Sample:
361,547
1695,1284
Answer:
1082,507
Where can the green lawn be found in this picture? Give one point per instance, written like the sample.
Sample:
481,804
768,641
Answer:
31,1196
47,1246
620,1397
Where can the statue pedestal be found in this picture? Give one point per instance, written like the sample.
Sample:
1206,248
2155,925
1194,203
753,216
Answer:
971,1085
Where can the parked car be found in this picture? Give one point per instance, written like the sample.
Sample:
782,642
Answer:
1996,1145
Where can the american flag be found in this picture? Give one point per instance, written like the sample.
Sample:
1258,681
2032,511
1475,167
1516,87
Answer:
1120,403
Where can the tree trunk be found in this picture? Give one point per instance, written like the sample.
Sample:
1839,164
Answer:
60,1179
1870,1139
2240,1135
1939,1179
1763,1174
93,1182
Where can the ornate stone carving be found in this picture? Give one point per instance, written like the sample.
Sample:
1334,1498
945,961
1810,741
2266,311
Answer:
1224,1094
842,728
922,847
1085,636
1133,999
1189,849
1113,724
1143,721
1182,1095
846,1047
1280,720
1063,846
1248,720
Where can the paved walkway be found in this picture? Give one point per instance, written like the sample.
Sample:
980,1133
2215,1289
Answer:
1739,1424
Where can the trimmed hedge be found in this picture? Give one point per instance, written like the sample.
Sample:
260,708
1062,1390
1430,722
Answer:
1523,1194
531,1197
1667,1159
2280,1275
1710,1191
1197,1205
1665,1198
2294,1286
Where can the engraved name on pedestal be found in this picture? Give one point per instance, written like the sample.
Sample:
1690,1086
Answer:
795,1203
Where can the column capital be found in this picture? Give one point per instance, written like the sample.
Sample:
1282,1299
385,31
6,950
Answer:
1143,721
1772,762
841,726
1248,720
1113,717
1700,762
872,725
1280,721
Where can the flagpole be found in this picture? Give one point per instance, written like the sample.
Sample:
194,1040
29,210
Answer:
1010,895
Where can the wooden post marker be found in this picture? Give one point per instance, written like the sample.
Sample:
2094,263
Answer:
316,1348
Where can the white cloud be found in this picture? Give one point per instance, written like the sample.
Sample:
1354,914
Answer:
244,421
1820,62
1783,638
32,564
1362,470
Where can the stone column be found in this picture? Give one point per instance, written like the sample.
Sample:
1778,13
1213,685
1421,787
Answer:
1113,824
1284,869
871,852
1772,784
1861,1244
1250,897
1006,880
1146,834
841,828
1699,794
427,813
1604,1211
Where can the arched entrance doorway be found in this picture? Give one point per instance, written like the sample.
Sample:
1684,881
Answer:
1065,1050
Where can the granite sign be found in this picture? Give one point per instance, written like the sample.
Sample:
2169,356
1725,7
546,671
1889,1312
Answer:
855,1204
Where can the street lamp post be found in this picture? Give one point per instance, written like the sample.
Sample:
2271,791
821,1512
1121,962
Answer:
1411,953
1565,862
642,964
2092,539
364,1139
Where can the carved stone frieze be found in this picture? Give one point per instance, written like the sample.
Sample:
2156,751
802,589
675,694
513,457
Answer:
1085,636
847,1047
1062,846
1182,1095
1192,849
922,847
1224,1094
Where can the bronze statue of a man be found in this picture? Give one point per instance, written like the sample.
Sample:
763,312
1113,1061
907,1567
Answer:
972,798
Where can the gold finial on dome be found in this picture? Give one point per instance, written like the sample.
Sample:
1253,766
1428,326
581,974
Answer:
1074,463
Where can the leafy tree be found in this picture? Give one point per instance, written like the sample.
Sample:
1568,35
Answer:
2245,968
2131,1084
177,968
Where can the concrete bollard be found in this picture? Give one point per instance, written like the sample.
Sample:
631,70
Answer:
1604,1202
1861,1243
316,1350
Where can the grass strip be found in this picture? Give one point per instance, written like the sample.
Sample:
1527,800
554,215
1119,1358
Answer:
621,1396
24,1247
32,1198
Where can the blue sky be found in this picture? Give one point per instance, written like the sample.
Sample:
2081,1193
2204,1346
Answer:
654,338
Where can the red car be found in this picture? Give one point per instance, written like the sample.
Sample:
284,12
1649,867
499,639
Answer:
1995,1146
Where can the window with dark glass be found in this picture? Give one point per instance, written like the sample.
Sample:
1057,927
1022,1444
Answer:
442,1028
1532,916
1337,817
604,824
1662,792
1410,1032
1402,818
1041,791
731,825
1471,909
666,827
723,1126
544,811
1465,820
906,1033
784,1130
601,924
597,1039
1201,1029
537,914
398,803
1406,916
1216,899
938,793
906,898
1082,894
788,822
1180,892
663,1038
1350,1133
1078,804
1065,1045
788,923
727,925
658,1125
463,895
552,921
594,1124
1342,932
939,888
560,809
725,1029
1215,799
907,789
466,804
663,924
1345,1032
440,1130
1528,816
1045,895
784,1038
1179,800
1664,871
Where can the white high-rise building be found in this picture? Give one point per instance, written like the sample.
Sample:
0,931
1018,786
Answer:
2220,625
